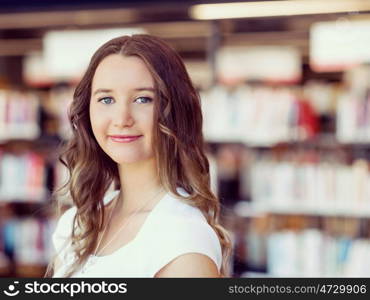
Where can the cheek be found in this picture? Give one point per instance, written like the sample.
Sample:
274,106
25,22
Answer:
97,121
144,120
148,126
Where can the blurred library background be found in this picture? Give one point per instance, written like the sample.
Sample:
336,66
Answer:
285,90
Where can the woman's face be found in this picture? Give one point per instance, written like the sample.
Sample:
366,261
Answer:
122,104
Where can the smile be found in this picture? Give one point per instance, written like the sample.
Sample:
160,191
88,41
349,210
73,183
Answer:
118,139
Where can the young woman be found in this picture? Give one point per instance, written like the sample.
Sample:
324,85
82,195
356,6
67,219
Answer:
137,125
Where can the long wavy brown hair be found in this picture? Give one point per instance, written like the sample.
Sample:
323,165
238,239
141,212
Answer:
178,146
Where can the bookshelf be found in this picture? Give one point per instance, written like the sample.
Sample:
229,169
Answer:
306,182
307,123
31,158
27,178
246,209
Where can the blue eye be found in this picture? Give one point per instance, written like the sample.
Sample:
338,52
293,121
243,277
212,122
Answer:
106,98
146,99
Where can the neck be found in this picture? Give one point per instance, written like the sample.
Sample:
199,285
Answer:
139,185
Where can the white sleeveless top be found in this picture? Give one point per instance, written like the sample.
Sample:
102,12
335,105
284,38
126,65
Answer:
171,229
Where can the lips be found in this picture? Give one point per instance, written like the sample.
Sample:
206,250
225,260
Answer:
124,138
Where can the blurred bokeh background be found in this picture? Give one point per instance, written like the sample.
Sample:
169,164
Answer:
285,89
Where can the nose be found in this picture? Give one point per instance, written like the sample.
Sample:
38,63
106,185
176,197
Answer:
123,116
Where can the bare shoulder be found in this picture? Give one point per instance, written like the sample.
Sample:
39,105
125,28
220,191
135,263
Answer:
189,265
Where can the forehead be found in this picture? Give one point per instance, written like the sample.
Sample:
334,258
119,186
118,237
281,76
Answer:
116,71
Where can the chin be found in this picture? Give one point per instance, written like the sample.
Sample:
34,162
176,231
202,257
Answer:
130,159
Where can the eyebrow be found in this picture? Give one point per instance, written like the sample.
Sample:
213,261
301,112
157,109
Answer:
140,89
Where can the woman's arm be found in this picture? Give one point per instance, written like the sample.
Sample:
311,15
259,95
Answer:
189,265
